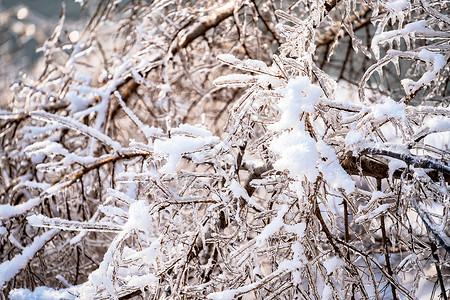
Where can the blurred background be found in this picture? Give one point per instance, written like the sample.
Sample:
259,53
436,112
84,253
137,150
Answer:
24,26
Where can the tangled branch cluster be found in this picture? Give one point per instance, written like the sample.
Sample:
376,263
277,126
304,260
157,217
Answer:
137,164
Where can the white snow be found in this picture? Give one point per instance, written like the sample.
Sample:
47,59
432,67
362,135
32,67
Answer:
407,32
373,214
77,102
228,58
332,170
394,165
10,268
224,295
397,5
298,229
173,149
75,125
332,264
434,61
142,281
41,293
194,130
275,225
139,217
238,191
7,211
299,96
298,154
388,109
353,137
327,293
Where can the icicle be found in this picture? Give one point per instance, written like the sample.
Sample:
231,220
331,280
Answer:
396,64
407,42
375,10
401,18
375,50
398,41
390,42
393,18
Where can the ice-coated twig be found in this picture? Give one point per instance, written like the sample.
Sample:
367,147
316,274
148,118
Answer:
43,221
435,229
75,125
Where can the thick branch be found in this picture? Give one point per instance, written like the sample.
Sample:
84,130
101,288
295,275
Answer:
415,161
375,168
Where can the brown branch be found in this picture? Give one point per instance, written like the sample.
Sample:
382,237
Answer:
369,166
330,4
204,24
183,39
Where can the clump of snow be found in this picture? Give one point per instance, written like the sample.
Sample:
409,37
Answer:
142,281
275,225
275,82
7,211
394,165
35,220
373,214
332,170
397,5
332,264
299,96
77,102
149,253
228,58
195,130
173,149
408,31
373,200
298,154
388,109
224,295
298,229
138,216
327,293
353,137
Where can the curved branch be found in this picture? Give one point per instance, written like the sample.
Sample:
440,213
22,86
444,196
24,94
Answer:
204,24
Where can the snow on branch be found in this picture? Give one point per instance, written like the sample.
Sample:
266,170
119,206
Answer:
10,268
75,125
